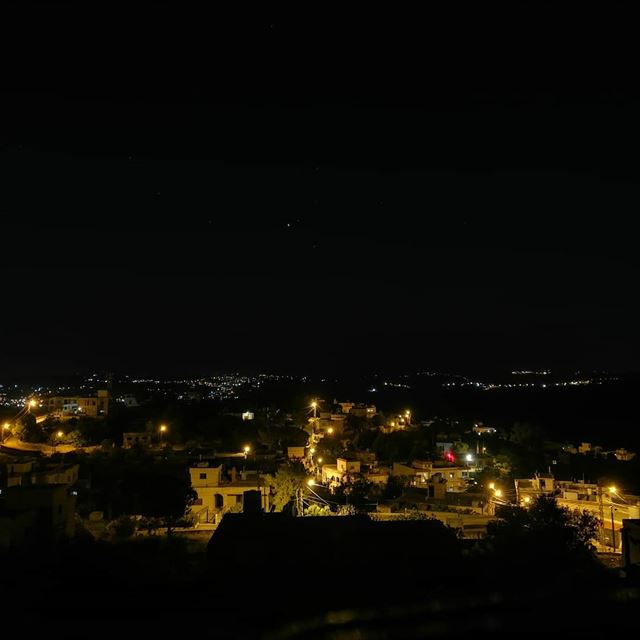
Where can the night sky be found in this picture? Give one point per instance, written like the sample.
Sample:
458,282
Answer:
188,192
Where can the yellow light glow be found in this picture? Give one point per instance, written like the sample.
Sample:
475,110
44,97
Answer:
393,424
319,460
407,413
6,425
60,434
492,485
33,403
330,430
613,489
527,500
246,448
163,428
498,493
311,482
314,404
312,451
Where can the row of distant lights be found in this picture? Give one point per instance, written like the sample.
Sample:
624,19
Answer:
518,385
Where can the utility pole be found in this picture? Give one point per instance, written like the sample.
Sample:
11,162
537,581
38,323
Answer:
613,530
602,537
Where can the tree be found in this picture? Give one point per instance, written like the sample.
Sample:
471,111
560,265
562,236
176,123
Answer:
27,430
526,434
123,527
547,520
317,510
460,448
288,485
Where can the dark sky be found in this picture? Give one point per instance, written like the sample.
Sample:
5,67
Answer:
186,191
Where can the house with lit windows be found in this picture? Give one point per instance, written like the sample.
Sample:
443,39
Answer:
218,492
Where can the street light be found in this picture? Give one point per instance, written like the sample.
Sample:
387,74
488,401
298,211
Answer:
330,430
492,485
163,429
498,493
59,434
314,406
5,427
246,450
311,482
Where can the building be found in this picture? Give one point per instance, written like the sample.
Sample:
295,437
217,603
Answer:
296,453
23,472
359,409
345,470
480,429
352,469
136,438
13,470
607,503
128,400
218,492
62,474
421,472
53,507
76,405
631,545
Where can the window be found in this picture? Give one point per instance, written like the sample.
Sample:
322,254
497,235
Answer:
203,476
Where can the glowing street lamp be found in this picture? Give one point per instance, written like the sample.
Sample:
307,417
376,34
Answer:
498,493
314,406
59,435
613,489
527,499
312,451
492,485
246,450
162,430
330,430
5,427
469,457
319,460
311,482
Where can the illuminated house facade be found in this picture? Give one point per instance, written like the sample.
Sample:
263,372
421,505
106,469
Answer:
217,493
74,405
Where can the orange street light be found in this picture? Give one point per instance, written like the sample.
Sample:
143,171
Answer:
330,430
163,430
